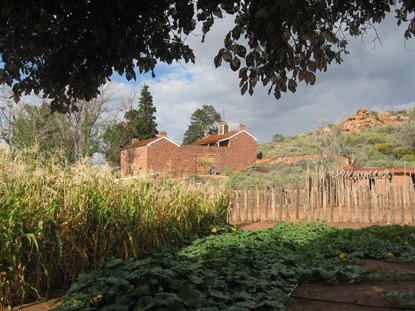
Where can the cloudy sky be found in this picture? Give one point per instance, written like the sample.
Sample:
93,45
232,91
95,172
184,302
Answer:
379,78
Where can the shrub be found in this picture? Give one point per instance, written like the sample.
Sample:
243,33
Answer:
385,148
278,138
409,158
226,171
400,152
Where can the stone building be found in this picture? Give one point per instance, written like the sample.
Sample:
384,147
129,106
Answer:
232,149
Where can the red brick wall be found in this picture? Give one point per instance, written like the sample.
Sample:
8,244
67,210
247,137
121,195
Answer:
163,156
166,156
242,152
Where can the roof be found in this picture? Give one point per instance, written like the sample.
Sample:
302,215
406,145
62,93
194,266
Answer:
219,137
148,142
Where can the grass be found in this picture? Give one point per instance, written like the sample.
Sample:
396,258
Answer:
58,220
241,270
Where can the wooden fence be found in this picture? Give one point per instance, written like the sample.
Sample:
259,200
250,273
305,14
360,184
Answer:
333,199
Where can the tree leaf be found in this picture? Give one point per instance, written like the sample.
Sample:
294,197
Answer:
235,64
227,56
244,88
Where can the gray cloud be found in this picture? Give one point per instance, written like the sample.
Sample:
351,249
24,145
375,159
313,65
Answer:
379,78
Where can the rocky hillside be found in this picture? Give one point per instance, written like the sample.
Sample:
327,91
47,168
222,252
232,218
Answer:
364,119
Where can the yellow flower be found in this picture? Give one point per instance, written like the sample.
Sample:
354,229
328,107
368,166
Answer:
214,230
233,229
390,254
342,256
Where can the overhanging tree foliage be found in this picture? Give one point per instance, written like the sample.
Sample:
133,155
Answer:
69,48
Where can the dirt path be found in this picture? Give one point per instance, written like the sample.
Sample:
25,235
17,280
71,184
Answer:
365,295
39,306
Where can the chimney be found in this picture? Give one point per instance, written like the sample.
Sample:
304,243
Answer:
162,134
241,127
135,141
223,128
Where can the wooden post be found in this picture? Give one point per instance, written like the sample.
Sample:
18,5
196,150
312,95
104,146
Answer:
237,205
287,207
312,200
307,195
297,203
369,204
392,204
274,204
230,211
376,204
402,206
246,204
332,187
404,184
340,193
385,199
318,191
266,203
411,203
356,205
252,203
362,203
349,201
324,195
385,203
258,203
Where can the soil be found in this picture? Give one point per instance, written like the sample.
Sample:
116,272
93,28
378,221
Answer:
365,295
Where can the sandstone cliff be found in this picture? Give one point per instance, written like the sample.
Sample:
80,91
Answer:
363,119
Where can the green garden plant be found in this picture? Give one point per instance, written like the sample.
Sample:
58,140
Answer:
256,270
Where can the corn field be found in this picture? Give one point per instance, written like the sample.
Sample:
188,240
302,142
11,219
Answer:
58,220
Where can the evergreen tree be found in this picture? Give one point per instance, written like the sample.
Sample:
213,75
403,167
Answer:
203,119
144,121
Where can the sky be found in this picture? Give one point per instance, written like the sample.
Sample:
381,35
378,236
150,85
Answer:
376,77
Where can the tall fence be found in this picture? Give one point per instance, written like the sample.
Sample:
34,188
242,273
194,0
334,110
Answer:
335,199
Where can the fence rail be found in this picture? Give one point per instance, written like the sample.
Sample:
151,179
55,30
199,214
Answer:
333,199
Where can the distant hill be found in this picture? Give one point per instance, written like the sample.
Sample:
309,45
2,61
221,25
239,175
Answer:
368,138
365,139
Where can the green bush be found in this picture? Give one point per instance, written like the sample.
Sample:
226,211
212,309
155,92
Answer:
409,158
278,138
225,171
400,152
385,148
